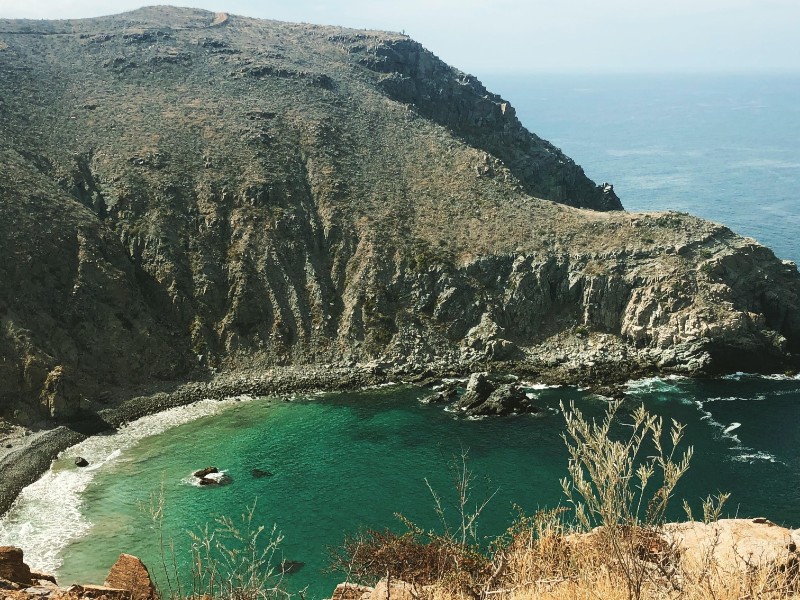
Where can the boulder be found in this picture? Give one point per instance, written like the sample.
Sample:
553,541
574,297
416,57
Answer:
478,390
81,462
393,589
205,471
447,393
43,577
130,573
736,545
506,399
37,591
12,566
58,396
351,591
483,398
5,584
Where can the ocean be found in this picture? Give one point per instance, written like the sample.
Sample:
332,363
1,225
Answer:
725,148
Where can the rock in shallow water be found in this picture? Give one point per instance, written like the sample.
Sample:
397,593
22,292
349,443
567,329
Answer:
201,473
484,398
289,567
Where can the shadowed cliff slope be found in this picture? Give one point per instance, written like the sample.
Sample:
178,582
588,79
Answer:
183,191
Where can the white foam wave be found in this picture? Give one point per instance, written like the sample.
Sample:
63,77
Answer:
380,386
741,453
725,430
538,386
220,477
47,515
739,375
751,457
756,398
732,427
654,384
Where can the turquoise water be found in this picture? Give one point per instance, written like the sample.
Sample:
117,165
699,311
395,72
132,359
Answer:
724,148
341,462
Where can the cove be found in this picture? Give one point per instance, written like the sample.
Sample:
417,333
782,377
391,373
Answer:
344,461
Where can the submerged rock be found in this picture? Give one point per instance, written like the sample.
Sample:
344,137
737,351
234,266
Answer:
260,473
289,567
448,392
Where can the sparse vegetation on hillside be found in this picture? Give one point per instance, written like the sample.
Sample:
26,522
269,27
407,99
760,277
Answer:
184,193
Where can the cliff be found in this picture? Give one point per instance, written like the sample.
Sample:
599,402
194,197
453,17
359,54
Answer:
184,193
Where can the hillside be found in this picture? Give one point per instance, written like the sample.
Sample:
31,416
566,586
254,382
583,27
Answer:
184,193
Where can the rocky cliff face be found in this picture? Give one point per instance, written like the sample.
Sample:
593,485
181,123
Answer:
184,192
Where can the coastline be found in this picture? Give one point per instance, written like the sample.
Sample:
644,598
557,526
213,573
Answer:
33,452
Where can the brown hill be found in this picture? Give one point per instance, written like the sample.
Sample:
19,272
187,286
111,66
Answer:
183,192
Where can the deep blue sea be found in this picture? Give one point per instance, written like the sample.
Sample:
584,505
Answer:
724,148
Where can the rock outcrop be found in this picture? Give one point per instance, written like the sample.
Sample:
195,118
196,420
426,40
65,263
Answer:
385,589
734,545
485,398
242,194
13,567
128,579
682,558
130,573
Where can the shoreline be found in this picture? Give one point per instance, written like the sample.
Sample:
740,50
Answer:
33,452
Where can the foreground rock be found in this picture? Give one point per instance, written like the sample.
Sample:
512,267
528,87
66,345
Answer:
392,589
13,567
729,554
128,579
734,545
130,573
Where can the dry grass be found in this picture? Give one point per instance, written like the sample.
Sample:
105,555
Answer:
547,563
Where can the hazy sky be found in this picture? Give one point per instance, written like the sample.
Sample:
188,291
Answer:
485,36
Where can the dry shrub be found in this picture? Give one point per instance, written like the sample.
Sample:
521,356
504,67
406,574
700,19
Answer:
417,557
